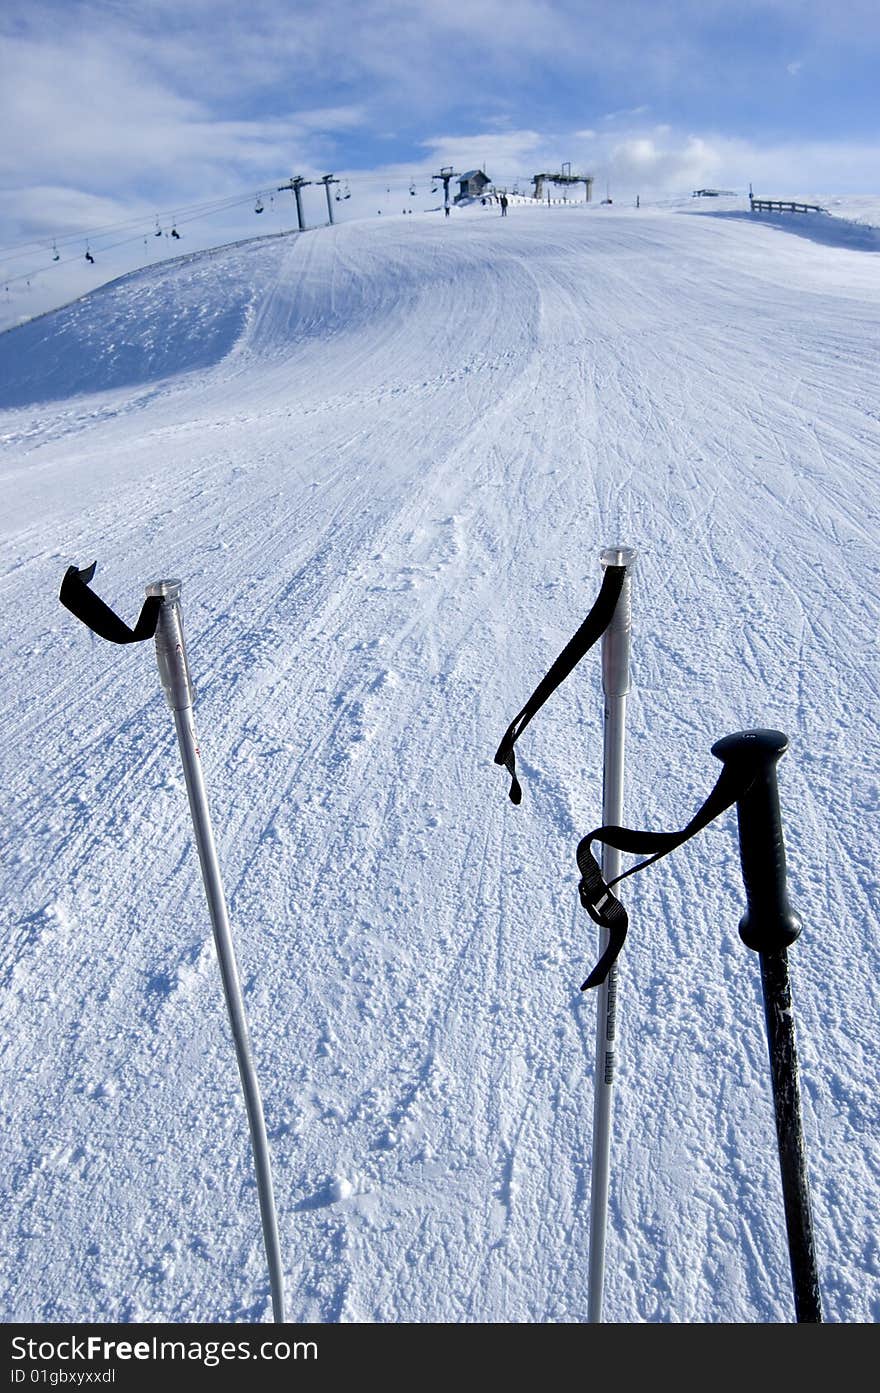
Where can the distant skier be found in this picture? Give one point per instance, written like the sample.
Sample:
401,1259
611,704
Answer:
90,258
446,210
504,205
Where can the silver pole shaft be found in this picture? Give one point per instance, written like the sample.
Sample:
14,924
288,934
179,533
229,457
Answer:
615,684
174,672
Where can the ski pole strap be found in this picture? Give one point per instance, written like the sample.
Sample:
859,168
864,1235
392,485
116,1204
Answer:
605,908
90,609
588,634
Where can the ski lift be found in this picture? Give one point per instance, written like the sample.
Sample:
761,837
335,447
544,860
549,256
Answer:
347,193
158,232
174,232
89,256
433,188
412,188
258,206
56,255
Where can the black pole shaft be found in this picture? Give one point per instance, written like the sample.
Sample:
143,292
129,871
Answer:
769,926
779,1016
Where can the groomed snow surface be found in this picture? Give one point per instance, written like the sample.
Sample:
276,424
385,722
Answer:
383,459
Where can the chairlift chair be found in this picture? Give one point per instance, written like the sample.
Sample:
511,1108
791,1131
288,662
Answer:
258,206
56,255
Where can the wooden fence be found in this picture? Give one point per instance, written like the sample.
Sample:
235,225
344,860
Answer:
781,205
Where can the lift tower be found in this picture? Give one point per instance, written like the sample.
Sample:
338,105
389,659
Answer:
446,174
327,180
295,184
564,177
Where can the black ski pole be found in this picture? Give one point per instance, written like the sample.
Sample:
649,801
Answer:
769,925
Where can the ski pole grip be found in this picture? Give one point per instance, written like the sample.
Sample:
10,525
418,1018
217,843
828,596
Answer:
170,647
769,922
616,639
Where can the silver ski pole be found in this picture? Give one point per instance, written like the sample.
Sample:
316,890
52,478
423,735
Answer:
174,672
615,684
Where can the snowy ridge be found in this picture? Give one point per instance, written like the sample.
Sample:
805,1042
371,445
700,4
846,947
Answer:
383,459
151,324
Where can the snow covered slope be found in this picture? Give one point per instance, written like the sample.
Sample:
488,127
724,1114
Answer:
383,458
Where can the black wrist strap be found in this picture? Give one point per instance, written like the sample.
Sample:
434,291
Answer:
90,609
596,897
588,634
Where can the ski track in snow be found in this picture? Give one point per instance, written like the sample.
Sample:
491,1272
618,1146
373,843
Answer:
383,459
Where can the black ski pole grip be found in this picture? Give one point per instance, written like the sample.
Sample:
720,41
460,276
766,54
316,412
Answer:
769,922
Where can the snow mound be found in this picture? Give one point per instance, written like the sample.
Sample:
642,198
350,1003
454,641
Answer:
148,326
824,228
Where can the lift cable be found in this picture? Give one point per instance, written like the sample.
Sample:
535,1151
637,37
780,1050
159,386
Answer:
124,241
204,209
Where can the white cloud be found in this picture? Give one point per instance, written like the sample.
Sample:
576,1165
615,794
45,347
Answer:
625,112
798,169
510,152
794,68
642,163
94,115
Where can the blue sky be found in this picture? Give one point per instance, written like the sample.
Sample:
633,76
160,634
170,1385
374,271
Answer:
128,110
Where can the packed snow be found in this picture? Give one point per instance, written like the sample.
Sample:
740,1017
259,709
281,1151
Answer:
383,458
